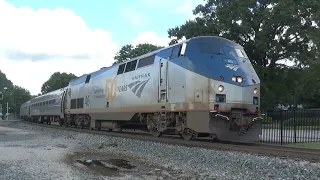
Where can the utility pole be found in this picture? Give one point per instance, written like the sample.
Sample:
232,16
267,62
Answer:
7,111
2,98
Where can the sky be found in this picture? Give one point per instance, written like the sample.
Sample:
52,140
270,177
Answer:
38,38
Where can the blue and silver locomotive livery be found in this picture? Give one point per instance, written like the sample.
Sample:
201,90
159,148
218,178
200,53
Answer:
204,86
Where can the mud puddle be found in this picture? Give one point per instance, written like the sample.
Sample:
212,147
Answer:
109,167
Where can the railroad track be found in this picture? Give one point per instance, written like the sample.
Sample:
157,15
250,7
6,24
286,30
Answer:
312,155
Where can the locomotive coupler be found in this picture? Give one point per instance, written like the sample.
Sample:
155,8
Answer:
245,128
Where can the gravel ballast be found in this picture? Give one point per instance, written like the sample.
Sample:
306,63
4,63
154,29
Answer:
54,150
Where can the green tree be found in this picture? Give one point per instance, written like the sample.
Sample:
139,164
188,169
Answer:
128,51
4,82
269,31
14,95
6,87
56,81
308,85
19,96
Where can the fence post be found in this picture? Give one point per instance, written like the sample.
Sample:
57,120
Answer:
281,127
294,126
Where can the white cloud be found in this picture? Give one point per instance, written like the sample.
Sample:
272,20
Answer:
159,3
152,38
31,75
136,18
35,44
134,13
187,7
184,8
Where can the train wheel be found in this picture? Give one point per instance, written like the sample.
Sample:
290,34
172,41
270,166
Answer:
186,136
156,133
152,126
213,137
60,122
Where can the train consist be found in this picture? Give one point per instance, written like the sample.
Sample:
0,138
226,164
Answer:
204,86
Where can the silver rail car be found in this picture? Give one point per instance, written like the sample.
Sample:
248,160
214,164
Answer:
25,110
47,107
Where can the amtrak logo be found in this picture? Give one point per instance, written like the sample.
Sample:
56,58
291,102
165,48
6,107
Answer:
137,87
232,67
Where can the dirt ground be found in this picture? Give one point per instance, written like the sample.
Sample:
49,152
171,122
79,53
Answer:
37,154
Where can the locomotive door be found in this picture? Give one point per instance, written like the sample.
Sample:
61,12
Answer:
163,81
29,111
63,103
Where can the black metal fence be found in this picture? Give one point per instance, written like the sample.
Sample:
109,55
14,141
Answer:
291,126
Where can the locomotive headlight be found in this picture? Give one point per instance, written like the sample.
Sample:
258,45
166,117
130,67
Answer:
220,88
234,79
255,91
239,79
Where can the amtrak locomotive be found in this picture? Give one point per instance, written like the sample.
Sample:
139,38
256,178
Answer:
204,86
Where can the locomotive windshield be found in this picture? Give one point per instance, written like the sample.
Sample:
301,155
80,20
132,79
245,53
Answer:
217,49
210,48
232,52
239,55
235,52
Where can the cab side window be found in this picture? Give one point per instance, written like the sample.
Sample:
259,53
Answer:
175,52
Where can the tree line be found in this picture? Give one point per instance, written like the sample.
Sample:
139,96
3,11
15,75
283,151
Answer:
16,95
269,31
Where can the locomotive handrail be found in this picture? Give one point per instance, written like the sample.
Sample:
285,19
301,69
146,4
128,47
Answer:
219,115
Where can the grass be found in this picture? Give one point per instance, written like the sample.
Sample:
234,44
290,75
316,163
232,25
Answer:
312,145
277,126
